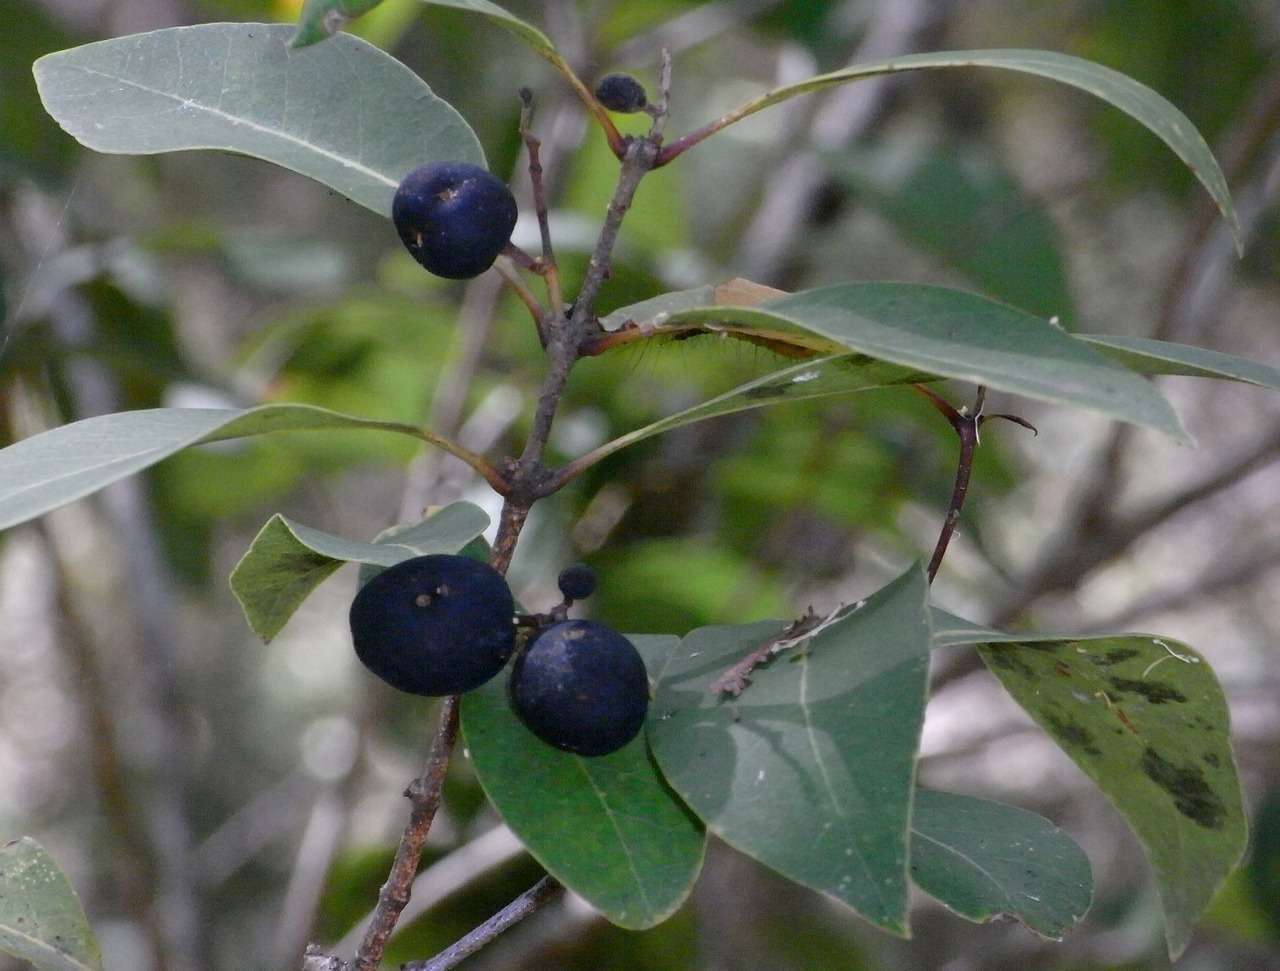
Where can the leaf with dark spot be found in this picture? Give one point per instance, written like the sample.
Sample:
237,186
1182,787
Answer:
1156,692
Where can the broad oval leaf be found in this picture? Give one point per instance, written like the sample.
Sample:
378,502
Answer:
344,113
287,560
953,334
813,379
41,919
61,465
810,769
1161,357
608,828
1145,718
1137,100
320,19
984,860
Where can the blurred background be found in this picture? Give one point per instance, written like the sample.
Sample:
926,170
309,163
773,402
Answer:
218,802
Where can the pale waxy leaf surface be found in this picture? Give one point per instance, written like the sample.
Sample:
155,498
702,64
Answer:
56,467
1135,99
287,560
954,334
344,113
1146,720
983,860
608,828
41,920
810,770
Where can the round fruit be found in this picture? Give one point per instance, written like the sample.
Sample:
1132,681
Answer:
621,92
454,218
577,582
582,687
435,625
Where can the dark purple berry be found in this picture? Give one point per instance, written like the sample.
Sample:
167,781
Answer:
621,93
434,625
582,687
454,218
577,582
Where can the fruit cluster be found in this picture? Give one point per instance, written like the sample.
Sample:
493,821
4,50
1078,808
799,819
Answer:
442,625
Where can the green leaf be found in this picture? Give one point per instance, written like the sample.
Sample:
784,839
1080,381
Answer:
287,560
345,113
608,828
67,463
41,920
812,379
810,770
984,859
957,202
528,33
1145,718
657,309
1160,357
953,334
1119,90
320,19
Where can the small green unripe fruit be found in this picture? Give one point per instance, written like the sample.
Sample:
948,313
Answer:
434,625
621,93
582,687
454,218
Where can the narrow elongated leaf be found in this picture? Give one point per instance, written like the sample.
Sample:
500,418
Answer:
1145,718
984,860
321,18
41,920
1119,90
814,379
344,113
608,828
810,769
1161,357
950,333
287,560
63,464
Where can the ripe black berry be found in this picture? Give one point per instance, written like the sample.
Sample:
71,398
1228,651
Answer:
434,625
454,218
577,582
621,92
582,687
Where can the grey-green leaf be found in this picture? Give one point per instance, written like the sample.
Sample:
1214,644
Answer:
954,334
1145,718
608,828
41,920
320,19
287,560
983,860
61,465
810,770
1161,357
813,379
344,113
1135,99
528,33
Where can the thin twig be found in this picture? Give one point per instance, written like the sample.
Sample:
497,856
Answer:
966,428
529,902
512,279
549,269
424,793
